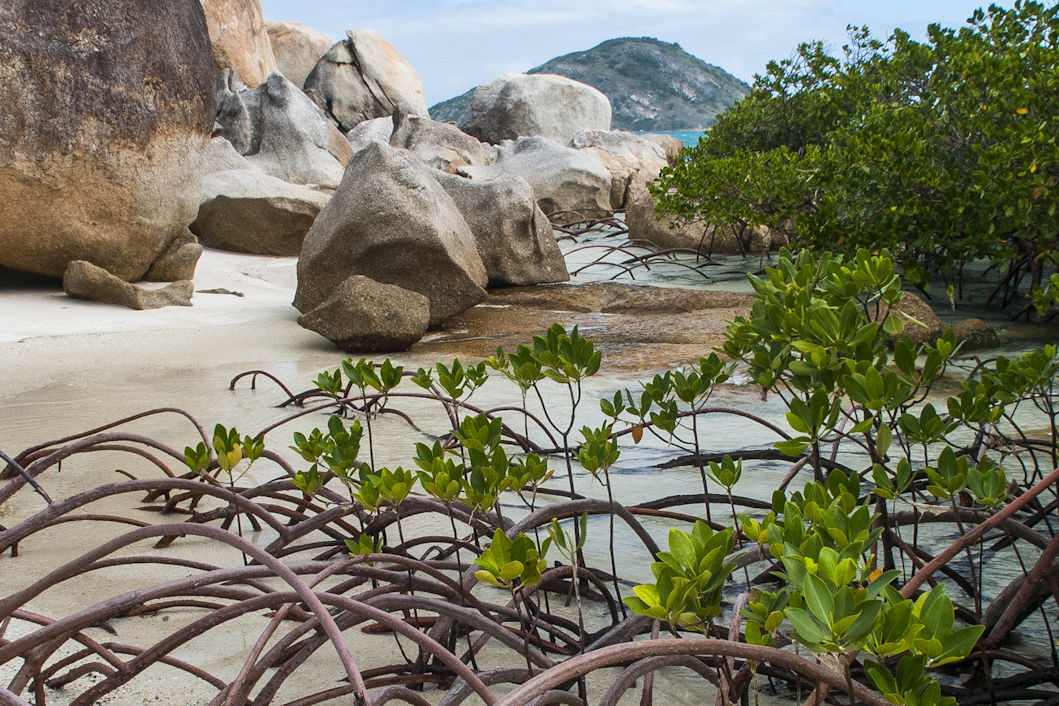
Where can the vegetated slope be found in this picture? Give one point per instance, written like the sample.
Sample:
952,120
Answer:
652,85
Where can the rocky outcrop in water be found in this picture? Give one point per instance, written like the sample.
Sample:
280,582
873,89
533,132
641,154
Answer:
364,77
644,223
282,133
297,49
391,221
105,111
562,178
363,315
518,105
240,41
626,156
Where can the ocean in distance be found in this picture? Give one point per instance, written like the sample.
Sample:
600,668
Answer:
690,138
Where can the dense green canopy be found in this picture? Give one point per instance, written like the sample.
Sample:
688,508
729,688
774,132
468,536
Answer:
943,151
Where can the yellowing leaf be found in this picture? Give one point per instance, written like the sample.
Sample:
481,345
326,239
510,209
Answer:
1023,111
637,434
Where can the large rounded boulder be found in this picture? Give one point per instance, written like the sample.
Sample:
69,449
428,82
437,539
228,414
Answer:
297,48
363,315
105,112
392,222
363,77
535,105
240,40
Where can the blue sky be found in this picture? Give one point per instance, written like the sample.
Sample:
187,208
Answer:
457,44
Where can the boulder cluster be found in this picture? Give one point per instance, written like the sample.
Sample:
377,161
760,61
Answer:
132,132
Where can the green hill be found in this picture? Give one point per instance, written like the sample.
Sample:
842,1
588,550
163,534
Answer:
652,85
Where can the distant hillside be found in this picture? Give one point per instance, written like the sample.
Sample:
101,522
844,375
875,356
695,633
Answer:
652,85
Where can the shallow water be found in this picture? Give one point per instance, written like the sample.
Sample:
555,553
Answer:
82,399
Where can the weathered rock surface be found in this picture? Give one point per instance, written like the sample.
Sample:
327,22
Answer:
363,315
248,211
544,105
374,130
222,157
637,328
297,48
669,144
84,280
177,262
627,157
240,41
391,221
645,224
514,237
976,333
105,110
438,145
562,178
645,157
921,323
282,133
363,77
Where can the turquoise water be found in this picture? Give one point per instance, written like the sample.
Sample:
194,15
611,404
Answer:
690,138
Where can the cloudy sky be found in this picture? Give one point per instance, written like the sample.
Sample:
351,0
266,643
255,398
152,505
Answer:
457,44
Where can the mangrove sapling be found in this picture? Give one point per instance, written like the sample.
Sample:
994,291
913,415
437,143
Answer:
454,385
566,358
364,375
229,449
597,453
513,564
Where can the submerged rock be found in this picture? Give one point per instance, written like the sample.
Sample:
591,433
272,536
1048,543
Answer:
638,328
84,280
514,237
528,105
363,77
391,221
363,315
105,111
